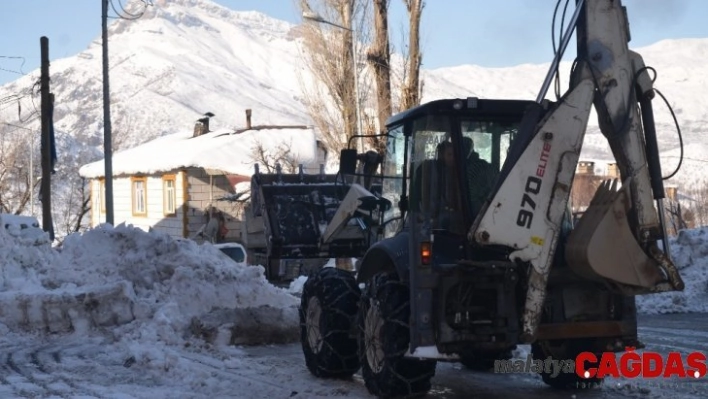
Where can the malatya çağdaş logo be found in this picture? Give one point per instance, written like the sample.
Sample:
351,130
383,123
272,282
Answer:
631,364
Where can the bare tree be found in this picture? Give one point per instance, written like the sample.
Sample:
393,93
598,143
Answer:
270,159
675,216
75,200
331,100
379,57
15,174
412,88
699,203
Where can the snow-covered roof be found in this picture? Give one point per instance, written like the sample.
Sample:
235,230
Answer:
225,150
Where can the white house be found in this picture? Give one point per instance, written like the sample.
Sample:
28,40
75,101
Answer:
169,184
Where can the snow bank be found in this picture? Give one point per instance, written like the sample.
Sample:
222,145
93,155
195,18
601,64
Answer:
149,287
689,251
146,286
296,285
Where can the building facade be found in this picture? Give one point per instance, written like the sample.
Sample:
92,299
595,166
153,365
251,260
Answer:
199,173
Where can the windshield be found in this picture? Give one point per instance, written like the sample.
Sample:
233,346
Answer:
491,139
393,178
235,253
440,197
435,196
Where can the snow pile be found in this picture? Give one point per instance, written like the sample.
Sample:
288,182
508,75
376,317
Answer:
146,286
297,285
689,251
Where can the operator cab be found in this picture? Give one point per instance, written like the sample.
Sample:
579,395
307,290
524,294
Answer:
450,153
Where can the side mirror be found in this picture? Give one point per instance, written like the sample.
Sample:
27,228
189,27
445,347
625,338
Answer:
347,162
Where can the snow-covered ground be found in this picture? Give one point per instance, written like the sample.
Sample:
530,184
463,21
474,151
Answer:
145,289
123,313
689,251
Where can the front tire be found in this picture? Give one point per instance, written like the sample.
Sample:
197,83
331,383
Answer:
328,309
384,338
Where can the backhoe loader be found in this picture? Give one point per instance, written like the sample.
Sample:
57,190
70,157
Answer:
480,252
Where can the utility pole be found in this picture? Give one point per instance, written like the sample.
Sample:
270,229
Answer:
47,223
31,176
107,140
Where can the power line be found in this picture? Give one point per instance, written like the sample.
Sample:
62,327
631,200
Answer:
686,158
14,57
127,15
107,134
11,71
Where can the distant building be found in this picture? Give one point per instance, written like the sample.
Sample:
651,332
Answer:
169,184
587,181
584,186
586,168
613,170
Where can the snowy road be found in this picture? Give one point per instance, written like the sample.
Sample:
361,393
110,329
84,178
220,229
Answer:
81,367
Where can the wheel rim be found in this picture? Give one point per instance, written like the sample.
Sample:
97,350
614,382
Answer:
312,324
372,335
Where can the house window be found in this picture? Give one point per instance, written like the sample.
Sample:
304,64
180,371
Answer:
169,203
139,189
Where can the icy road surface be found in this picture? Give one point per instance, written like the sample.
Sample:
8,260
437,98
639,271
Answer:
81,367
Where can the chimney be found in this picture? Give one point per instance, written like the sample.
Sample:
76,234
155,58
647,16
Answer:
248,119
613,170
201,127
586,168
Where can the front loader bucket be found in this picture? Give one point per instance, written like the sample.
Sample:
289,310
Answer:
296,208
602,245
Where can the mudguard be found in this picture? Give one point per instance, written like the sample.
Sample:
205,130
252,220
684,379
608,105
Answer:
390,254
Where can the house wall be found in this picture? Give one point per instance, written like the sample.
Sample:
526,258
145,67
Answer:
204,190
583,190
94,207
194,193
123,204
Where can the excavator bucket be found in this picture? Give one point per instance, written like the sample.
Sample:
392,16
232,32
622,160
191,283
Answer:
602,246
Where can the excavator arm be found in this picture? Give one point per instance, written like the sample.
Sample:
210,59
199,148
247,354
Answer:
616,239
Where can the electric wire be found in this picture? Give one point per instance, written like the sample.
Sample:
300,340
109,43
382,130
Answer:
127,15
14,57
632,96
556,77
678,131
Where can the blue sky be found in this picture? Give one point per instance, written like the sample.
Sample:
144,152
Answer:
482,32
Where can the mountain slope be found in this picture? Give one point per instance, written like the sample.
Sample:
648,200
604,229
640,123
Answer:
187,57
178,61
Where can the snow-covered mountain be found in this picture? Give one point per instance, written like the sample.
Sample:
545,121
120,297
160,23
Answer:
187,57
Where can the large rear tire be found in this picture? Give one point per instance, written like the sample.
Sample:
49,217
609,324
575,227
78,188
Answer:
328,309
564,350
384,314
